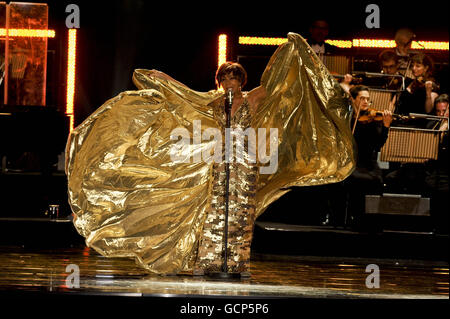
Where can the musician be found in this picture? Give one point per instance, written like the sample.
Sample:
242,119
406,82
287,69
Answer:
369,136
318,32
410,178
441,105
389,63
420,94
436,171
403,41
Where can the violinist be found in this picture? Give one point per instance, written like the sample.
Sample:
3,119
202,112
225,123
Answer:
403,42
436,171
390,63
419,96
370,135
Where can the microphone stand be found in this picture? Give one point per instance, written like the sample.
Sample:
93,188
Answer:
224,274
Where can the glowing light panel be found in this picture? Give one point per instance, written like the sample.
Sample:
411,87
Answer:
71,62
222,56
356,43
261,41
373,43
28,33
430,45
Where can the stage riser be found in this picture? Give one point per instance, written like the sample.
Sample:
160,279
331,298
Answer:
398,205
314,242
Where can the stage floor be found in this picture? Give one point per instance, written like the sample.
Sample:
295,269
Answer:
54,271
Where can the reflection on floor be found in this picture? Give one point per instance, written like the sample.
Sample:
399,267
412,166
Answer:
54,270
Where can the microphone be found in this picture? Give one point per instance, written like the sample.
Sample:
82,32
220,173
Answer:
229,98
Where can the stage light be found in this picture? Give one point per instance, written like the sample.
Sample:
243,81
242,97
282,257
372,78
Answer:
340,43
373,43
261,41
356,43
222,56
71,62
278,41
430,45
415,45
28,33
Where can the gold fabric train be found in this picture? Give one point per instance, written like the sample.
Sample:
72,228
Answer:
130,199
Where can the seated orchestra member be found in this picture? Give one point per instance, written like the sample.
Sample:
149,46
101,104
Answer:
389,63
369,137
403,41
436,171
419,97
420,94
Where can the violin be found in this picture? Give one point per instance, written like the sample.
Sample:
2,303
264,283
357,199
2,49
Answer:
420,83
394,84
371,115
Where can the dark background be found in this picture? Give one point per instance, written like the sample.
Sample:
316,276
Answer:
116,37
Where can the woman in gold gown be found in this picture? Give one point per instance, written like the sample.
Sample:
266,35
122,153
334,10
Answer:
130,199
242,183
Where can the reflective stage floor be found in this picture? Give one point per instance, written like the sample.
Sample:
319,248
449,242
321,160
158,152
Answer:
80,272
54,270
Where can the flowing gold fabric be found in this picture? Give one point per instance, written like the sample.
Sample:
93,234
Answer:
130,199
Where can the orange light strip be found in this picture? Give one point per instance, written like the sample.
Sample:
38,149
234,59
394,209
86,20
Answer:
71,62
340,43
416,45
373,43
278,41
261,41
430,45
222,55
357,43
28,33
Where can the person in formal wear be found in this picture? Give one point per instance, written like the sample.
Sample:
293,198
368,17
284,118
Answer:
318,33
420,94
389,63
436,171
370,136
403,41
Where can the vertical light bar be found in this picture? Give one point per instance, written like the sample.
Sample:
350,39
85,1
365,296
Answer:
6,83
71,61
222,56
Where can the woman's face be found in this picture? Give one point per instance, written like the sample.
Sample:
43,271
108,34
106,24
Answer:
230,81
419,69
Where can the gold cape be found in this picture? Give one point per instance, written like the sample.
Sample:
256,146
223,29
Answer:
129,199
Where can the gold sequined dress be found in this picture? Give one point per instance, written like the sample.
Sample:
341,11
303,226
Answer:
131,199
242,202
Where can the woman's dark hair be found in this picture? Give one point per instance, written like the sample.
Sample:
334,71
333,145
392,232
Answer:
425,60
356,89
231,68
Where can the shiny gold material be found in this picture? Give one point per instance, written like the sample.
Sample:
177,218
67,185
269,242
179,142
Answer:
130,199
242,213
